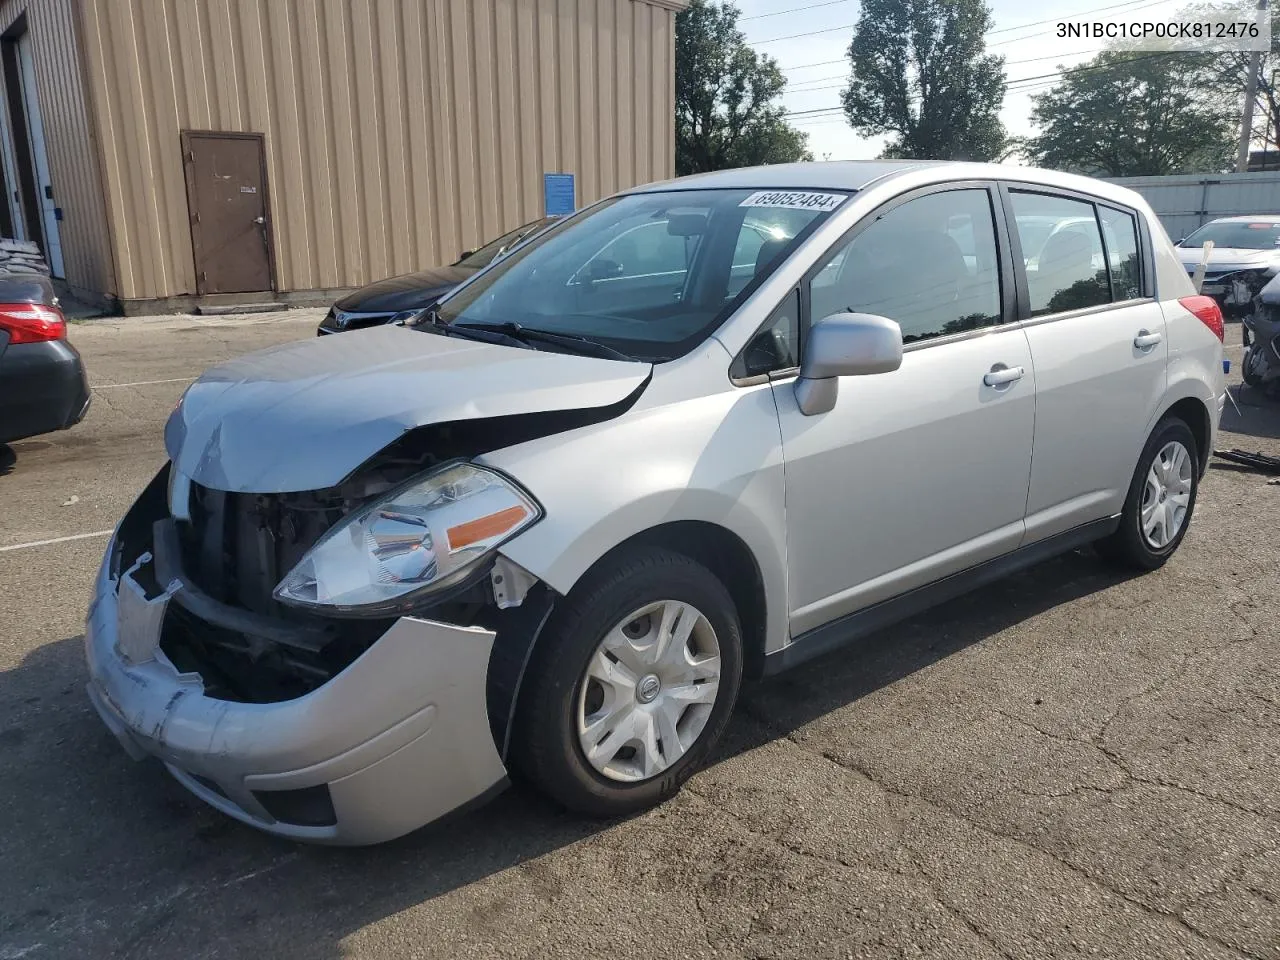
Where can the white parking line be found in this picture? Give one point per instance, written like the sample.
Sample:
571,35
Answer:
141,383
45,543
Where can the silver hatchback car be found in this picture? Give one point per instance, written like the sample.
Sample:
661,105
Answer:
700,431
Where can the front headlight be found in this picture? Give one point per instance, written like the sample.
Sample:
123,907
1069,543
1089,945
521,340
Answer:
423,536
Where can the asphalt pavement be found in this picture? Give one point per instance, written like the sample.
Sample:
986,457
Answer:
1069,763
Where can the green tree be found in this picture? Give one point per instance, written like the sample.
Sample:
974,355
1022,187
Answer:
1134,113
919,70
728,112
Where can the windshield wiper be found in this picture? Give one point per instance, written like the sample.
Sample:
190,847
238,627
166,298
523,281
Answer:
431,320
583,345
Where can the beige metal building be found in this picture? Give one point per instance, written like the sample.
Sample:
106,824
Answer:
168,152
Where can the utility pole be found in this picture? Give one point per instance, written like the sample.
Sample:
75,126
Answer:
1250,98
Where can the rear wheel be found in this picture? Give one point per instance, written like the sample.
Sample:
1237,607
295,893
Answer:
1162,497
632,685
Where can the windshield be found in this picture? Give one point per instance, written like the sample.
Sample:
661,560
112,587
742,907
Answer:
488,253
1241,234
650,274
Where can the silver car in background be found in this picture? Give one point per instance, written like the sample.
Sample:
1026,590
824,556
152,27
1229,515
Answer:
700,431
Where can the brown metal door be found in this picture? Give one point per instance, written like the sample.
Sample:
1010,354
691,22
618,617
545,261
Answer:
227,199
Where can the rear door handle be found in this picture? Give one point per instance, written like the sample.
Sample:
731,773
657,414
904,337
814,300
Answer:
1145,339
999,375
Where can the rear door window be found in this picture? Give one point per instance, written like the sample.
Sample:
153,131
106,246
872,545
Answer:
1067,270
1120,230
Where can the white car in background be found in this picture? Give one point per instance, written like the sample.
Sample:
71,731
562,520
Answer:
1245,254
550,530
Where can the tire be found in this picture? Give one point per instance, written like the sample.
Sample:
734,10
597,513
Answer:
560,693
1131,545
1247,372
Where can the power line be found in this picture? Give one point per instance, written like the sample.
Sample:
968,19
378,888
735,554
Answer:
778,13
1027,82
1092,68
1140,5
828,111
1038,33
820,63
834,76
1010,84
793,36
1079,13
1056,56
834,86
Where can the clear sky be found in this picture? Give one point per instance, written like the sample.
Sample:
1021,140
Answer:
816,67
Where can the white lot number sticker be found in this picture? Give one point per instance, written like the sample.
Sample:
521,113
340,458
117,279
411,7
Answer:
795,200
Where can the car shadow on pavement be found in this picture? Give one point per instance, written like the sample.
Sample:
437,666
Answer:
1254,414
8,457
108,857
780,705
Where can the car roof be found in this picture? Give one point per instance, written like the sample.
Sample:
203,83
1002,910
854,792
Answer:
856,175
1260,218
829,175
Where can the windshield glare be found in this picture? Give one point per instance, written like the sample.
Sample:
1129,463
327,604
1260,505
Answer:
485,255
1243,235
649,274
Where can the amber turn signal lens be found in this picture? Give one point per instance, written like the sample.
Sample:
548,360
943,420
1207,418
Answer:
482,528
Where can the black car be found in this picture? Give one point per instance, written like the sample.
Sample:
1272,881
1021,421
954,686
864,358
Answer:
42,380
398,298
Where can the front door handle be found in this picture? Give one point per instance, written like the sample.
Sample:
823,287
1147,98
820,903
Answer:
1001,374
1146,339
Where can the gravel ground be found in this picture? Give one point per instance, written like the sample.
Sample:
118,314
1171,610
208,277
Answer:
1069,763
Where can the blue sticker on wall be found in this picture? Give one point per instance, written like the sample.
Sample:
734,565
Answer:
558,194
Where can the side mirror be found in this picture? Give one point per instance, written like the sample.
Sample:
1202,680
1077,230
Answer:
602,269
464,254
845,345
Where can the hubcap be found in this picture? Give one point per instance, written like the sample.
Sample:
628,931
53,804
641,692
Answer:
648,690
1166,494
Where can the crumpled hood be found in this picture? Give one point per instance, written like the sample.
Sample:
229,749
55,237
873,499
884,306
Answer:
406,292
303,415
1228,258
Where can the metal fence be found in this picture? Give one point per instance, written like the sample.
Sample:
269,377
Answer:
1187,201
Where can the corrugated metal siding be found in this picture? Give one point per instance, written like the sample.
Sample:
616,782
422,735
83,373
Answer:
1186,202
73,169
399,132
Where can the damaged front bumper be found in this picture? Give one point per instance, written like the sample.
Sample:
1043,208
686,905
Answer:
397,739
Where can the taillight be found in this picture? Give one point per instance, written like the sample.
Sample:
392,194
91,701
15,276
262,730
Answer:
1208,312
32,322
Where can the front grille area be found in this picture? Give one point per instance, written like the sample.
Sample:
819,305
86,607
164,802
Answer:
236,547
225,625
244,666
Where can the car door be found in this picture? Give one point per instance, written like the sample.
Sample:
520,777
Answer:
919,473
1098,345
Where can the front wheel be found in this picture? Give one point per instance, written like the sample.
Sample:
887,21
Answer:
1162,497
631,686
